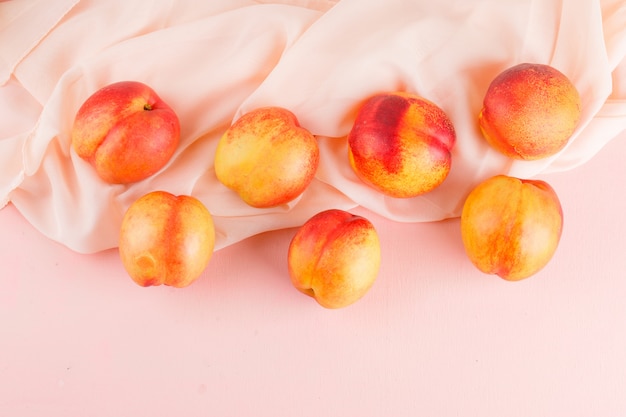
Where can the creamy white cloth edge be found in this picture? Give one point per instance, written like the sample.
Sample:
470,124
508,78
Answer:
23,25
319,59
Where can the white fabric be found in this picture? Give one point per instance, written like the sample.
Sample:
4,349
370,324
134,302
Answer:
213,61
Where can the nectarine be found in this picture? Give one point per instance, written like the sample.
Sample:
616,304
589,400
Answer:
400,144
266,157
166,239
126,132
530,111
334,257
511,227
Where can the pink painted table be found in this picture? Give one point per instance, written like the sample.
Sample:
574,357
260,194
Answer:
433,337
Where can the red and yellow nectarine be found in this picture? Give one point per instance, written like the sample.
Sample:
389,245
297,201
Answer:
126,132
400,144
530,111
334,257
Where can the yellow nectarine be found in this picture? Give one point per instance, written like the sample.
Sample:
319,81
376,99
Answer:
511,227
266,157
166,239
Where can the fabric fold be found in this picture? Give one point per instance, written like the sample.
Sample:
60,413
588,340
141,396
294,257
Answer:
213,61
22,25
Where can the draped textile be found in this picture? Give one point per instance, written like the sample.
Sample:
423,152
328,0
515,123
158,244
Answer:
213,61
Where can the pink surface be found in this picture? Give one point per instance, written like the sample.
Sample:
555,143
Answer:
433,337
